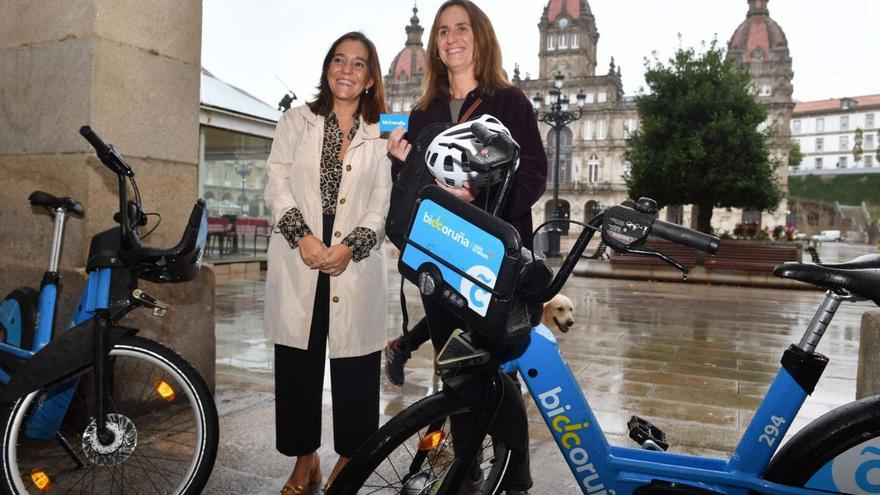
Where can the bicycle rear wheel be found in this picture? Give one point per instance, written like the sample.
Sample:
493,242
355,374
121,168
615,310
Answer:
161,419
839,452
392,461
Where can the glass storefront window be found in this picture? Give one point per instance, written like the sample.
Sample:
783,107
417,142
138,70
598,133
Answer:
232,173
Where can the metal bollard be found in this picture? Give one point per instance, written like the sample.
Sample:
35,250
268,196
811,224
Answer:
868,377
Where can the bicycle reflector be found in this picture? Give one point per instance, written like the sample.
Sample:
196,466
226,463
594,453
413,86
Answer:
165,391
41,480
431,440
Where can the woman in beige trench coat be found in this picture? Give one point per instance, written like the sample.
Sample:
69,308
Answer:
328,191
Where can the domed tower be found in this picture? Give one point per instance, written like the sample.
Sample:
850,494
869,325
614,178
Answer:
568,38
404,80
759,45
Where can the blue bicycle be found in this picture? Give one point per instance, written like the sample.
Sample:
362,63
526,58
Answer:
94,408
414,453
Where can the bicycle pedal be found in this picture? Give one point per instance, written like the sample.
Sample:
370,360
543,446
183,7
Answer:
646,434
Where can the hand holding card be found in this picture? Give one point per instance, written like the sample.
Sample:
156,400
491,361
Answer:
390,121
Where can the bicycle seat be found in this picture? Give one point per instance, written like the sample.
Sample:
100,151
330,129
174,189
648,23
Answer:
177,264
864,261
863,282
50,202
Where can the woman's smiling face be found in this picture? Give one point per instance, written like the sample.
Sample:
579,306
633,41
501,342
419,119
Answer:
455,39
349,72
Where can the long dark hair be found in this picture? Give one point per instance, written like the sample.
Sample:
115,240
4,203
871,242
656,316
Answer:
372,101
488,71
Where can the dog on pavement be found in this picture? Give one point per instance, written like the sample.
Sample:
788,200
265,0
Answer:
558,313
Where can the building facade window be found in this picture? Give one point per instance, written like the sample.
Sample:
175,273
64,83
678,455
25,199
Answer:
591,209
844,143
588,130
869,120
564,155
575,41
869,160
795,126
766,90
593,169
591,97
841,162
818,162
844,122
820,144
602,96
675,214
629,127
551,42
869,141
820,124
600,129
563,41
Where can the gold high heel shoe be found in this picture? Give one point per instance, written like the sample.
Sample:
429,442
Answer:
312,488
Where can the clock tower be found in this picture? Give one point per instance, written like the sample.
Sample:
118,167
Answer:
568,39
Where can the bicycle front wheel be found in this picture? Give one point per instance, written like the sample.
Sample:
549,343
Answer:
161,429
412,453
837,453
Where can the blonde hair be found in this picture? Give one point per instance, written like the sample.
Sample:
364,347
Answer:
489,73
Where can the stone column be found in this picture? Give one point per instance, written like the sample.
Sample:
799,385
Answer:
868,376
131,70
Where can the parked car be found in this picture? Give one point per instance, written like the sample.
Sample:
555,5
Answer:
827,235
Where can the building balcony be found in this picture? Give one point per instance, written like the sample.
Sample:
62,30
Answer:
583,187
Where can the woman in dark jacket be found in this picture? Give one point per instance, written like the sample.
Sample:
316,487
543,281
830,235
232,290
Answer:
464,79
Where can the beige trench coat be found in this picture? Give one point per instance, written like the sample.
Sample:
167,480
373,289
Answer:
358,297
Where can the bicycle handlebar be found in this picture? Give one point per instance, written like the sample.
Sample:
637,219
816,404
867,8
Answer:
669,231
498,149
683,235
108,156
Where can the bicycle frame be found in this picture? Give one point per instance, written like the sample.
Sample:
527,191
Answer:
95,297
603,469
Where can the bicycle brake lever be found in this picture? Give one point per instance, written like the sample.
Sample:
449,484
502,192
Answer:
657,254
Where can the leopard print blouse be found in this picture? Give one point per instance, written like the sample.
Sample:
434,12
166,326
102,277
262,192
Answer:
292,225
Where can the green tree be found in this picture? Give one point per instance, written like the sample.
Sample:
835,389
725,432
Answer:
858,150
795,155
698,142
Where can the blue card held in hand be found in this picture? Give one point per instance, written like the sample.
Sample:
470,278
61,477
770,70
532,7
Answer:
390,121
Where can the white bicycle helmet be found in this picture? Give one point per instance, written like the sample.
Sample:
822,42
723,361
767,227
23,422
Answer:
449,155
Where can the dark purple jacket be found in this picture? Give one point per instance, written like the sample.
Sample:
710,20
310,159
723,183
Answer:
515,111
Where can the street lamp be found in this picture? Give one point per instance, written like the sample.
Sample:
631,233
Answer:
244,170
557,117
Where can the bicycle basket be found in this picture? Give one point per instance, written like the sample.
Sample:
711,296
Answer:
473,260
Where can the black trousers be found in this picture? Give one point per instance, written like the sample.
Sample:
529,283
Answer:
416,336
511,423
299,385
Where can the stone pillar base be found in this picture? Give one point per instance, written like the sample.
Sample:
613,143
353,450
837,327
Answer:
868,378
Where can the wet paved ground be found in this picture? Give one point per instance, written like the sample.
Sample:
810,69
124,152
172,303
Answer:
694,359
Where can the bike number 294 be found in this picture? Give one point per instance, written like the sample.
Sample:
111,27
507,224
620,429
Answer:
771,431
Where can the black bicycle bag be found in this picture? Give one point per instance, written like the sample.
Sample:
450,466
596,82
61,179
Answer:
469,261
413,177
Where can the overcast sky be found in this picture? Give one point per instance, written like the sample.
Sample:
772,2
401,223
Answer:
835,45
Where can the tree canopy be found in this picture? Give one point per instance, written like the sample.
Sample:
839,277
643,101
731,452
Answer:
699,140
795,155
